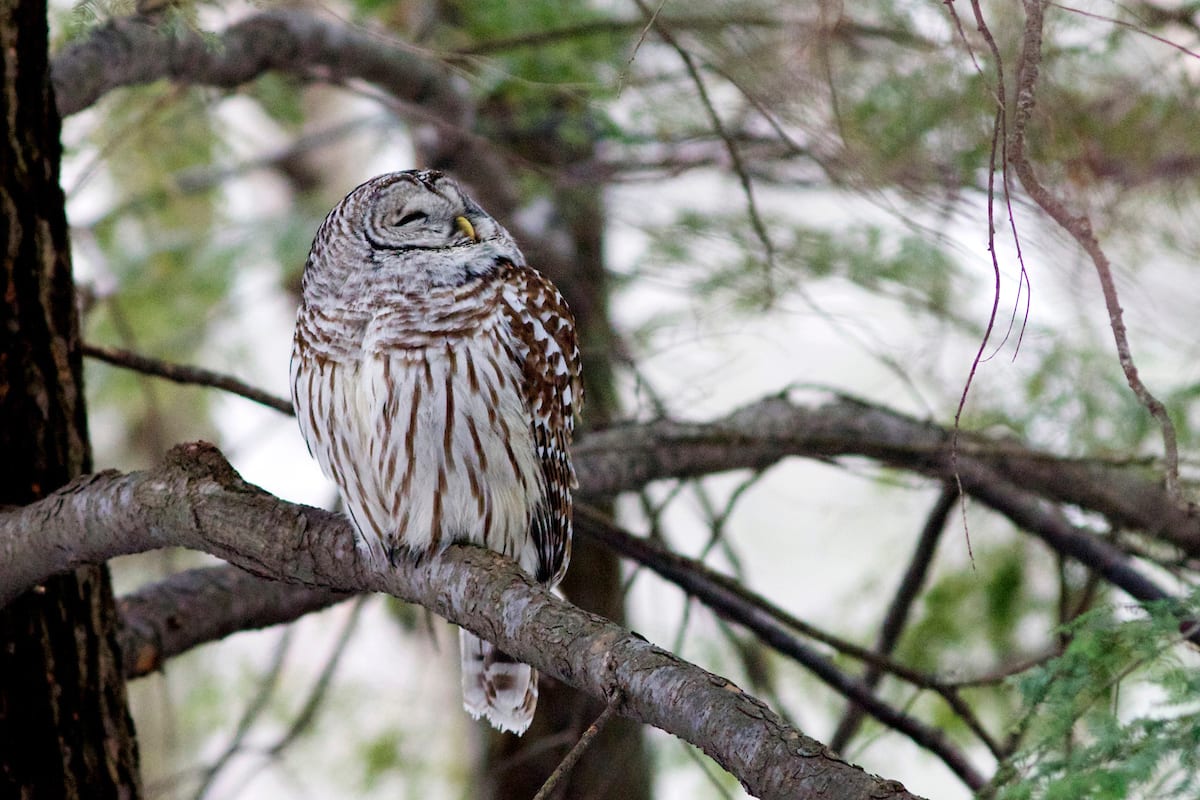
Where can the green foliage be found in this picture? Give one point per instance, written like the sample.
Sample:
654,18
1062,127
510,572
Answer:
721,258
527,52
382,755
87,14
973,614
280,96
1114,717
901,133
1074,400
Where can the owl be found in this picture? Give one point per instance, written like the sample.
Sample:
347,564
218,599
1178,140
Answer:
436,378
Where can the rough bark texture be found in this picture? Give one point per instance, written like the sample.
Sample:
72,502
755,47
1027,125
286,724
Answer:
65,730
190,609
196,500
204,605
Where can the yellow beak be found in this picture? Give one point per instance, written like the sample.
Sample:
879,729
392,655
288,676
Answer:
467,228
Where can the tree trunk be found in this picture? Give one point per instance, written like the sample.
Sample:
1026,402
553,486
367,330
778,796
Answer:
65,729
615,765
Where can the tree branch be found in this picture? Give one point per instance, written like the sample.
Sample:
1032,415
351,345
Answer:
180,373
1080,229
203,605
1011,480
832,425
196,500
775,627
898,610
131,51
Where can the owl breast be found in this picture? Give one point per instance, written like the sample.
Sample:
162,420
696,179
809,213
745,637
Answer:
433,405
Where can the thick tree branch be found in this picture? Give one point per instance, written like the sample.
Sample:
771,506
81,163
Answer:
203,605
625,458
196,500
834,425
131,51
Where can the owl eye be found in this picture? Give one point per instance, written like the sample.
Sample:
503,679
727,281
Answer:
412,216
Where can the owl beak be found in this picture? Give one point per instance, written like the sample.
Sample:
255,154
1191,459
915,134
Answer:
468,230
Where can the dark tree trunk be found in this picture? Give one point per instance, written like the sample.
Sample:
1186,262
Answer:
615,764
65,729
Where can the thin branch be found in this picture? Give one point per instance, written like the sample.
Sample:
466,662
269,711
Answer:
735,156
195,180
771,624
613,27
1135,28
1080,229
312,704
573,755
258,704
1003,672
196,500
308,711
898,610
180,373
714,779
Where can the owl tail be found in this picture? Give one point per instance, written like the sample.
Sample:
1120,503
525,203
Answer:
495,686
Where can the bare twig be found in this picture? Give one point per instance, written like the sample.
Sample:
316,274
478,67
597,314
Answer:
303,719
897,613
316,696
254,710
1080,229
735,156
180,373
709,774
195,180
1135,28
573,755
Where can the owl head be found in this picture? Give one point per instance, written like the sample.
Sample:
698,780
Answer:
417,228
422,210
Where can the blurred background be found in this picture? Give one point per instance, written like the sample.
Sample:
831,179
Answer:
740,200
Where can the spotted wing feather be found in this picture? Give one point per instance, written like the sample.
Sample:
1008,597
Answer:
547,346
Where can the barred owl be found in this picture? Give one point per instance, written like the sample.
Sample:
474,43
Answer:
435,377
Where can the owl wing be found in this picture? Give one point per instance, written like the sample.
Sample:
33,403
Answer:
545,346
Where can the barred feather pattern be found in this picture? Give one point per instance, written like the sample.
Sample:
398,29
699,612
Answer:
436,379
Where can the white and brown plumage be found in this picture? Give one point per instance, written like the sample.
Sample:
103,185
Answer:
436,376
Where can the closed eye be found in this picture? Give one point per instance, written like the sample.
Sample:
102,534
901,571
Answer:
414,216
